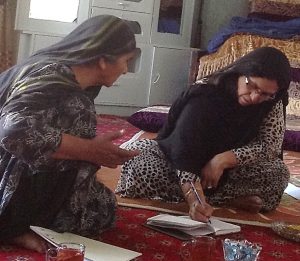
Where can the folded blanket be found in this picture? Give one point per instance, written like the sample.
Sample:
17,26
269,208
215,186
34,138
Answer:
277,30
280,9
241,44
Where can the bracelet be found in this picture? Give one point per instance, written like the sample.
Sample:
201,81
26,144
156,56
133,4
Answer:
186,194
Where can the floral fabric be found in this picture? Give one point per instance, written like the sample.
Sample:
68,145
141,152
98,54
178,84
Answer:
32,122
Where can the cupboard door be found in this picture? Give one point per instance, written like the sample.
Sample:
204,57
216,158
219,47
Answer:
42,41
143,6
178,28
131,89
141,20
170,74
29,43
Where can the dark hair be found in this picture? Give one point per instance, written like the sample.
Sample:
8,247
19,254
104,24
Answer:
266,62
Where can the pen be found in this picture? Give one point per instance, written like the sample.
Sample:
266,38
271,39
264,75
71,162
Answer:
197,196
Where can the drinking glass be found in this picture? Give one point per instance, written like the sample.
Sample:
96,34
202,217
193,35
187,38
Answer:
66,252
198,248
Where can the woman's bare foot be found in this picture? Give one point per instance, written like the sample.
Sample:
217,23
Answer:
30,241
252,204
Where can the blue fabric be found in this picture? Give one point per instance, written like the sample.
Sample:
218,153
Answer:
168,25
277,30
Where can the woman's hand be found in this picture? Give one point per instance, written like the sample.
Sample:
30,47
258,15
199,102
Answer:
107,154
99,150
214,169
197,211
211,173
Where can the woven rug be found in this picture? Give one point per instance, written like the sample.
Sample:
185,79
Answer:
110,123
130,233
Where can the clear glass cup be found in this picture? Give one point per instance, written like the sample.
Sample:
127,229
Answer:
66,252
198,248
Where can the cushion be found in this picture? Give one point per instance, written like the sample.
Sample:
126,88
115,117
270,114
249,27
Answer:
292,134
150,119
287,9
291,140
270,17
293,108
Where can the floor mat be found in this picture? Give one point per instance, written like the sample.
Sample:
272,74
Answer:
130,233
110,123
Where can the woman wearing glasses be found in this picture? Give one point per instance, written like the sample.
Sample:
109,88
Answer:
227,130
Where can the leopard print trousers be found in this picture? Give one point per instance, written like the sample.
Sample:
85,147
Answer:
150,175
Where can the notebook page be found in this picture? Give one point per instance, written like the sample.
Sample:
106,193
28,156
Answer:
171,221
222,227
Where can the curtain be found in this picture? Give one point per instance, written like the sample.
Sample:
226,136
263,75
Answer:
8,36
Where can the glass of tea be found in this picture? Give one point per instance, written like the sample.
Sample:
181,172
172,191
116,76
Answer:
66,252
198,248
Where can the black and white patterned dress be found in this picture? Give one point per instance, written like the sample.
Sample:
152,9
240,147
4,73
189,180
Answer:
36,189
259,172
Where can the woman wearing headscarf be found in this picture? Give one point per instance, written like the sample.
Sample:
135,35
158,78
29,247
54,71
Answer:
49,150
227,130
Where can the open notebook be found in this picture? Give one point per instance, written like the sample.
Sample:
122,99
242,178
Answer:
191,227
94,250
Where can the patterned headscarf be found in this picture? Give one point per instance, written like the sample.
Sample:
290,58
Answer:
96,37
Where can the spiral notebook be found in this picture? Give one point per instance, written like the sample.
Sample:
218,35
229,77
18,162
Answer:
190,227
94,250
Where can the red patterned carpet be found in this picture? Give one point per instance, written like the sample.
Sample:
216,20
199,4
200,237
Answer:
131,234
108,123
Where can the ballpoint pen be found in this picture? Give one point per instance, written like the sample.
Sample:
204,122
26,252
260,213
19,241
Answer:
197,196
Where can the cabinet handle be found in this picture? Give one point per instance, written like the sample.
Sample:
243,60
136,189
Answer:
122,4
156,78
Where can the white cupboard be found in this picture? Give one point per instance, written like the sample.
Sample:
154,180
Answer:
168,30
154,82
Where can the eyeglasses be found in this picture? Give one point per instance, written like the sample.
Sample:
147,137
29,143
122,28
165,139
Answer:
266,96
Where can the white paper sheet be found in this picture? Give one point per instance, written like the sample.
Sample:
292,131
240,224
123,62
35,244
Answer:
94,250
293,191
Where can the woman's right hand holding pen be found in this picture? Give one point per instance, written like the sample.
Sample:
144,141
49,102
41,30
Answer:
197,211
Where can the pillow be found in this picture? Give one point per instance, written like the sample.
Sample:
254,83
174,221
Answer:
280,8
270,17
292,109
150,119
291,140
